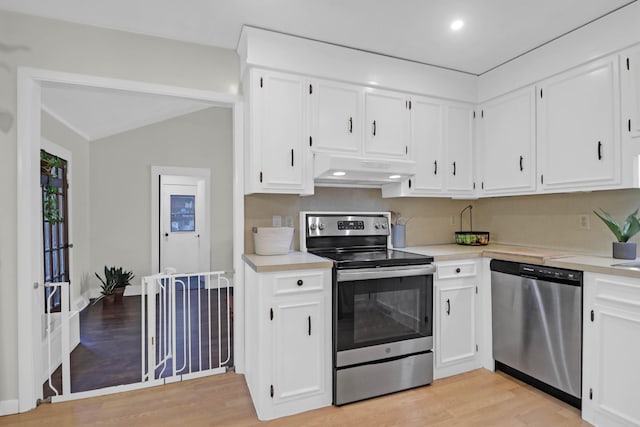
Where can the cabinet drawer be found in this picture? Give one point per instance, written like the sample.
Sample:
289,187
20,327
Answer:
620,291
298,282
454,270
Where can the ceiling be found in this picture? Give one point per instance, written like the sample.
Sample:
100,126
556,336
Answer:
96,113
495,31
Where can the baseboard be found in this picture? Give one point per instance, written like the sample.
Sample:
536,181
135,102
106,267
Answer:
8,407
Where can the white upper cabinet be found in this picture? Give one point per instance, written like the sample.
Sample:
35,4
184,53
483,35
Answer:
386,124
336,117
507,156
278,158
459,149
631,92
427,143
579,128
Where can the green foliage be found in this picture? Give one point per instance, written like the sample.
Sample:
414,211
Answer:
623,233
48,165
114,277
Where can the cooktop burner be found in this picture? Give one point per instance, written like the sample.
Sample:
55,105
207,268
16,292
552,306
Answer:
376,258
354,240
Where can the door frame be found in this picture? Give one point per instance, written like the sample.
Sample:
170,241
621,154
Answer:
29,106
156,172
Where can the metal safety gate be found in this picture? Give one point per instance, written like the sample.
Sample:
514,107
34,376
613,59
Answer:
186,326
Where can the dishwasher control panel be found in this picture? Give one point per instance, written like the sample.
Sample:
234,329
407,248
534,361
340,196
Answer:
549,273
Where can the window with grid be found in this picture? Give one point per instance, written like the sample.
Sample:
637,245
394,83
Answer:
55,232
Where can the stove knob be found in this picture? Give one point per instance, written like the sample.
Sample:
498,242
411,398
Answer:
321,226
312,227
377,226
384,226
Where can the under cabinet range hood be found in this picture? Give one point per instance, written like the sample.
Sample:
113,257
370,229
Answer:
341,170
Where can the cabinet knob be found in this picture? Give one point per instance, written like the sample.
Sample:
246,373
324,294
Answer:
300,282
458,270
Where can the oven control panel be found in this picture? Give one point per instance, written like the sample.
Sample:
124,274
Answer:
341,225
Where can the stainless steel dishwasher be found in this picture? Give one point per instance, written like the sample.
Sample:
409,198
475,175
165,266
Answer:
537,326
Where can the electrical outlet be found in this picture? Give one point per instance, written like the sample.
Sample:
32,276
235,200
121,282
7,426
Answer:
288,221
585,223
452,220
276,221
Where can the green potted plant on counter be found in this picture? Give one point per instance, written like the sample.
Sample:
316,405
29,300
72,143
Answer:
622,249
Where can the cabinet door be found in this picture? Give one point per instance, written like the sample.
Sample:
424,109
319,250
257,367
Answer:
631,92
386,124
578,127
427,143
507,152
459,146
336,117
298,348
611,351
456,330
280,131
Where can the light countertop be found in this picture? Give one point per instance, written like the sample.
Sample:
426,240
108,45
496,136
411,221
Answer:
452,252
291,261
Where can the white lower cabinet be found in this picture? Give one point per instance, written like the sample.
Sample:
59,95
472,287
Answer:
456,317
288,341
611,350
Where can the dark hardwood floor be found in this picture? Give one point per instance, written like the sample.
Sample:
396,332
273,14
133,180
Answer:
110,349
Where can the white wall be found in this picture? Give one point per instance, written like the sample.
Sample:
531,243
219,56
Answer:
121,186
45,43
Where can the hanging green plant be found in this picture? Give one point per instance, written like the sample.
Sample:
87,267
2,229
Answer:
51,184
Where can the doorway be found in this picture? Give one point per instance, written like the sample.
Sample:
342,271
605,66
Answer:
184,234
30,83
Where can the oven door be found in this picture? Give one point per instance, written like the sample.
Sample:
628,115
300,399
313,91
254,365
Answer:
381,313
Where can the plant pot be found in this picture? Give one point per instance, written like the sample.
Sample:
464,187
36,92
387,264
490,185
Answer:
624,250
108,300
119,293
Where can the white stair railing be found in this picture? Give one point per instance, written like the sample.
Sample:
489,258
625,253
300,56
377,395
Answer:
186,325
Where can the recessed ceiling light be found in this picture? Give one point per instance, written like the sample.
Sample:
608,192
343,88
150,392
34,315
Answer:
339,173
457,24
394,176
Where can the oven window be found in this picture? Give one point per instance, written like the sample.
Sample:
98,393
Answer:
379,311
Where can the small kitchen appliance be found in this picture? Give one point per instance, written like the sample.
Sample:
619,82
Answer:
382,305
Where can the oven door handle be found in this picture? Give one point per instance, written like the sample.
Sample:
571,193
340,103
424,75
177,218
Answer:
384,273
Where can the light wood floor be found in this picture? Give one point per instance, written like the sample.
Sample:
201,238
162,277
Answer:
478,398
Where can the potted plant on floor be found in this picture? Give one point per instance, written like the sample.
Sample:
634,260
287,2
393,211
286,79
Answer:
124,278
107,286
622,249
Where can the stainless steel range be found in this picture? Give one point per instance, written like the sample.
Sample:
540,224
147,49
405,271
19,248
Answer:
382,305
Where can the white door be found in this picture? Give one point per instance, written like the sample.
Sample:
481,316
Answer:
631,92
459,143
578,127
427,143
336,117
386,124
298,353
281,130
457,326
508,143
183,228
